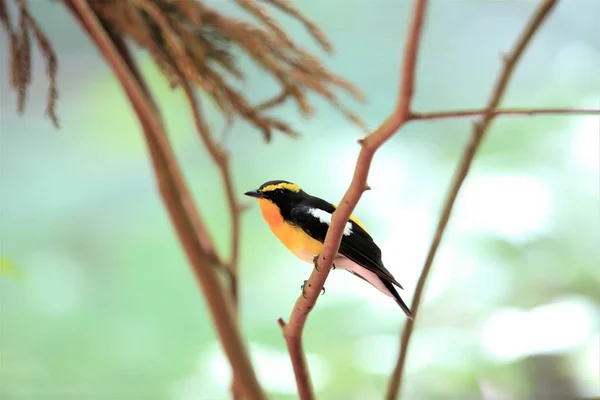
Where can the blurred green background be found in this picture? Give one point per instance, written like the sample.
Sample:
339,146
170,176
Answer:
104,305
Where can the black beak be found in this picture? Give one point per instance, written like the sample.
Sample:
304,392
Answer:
253,193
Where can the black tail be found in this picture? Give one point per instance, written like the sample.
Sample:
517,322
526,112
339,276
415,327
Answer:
397,297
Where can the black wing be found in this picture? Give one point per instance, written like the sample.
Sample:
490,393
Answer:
358,246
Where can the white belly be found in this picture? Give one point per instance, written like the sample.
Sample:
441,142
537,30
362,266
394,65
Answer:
344,263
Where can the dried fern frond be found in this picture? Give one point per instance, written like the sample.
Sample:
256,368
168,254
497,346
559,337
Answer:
51,68
189,40
24,58
20,55
316,33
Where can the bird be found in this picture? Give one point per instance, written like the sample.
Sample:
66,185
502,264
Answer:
300,221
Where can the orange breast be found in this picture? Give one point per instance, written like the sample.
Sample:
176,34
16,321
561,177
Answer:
294,238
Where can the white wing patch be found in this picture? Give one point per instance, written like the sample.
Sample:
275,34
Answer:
325,218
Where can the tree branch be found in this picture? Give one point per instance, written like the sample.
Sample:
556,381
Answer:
175,195
421,116
480,129
293,330
221,159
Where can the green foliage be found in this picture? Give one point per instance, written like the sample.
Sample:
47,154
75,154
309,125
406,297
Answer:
9,269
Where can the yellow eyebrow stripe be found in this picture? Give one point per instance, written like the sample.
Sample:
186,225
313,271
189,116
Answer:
289,186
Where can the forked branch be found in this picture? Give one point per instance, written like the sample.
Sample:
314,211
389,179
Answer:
221,159
403,114
175,195
479,131
292,331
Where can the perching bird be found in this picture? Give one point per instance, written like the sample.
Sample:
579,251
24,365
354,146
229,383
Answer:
300,221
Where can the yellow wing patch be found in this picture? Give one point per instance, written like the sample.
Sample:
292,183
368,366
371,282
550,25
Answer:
292,187
357,222
354,219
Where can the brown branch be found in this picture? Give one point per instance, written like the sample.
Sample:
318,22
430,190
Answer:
175,195
292,331
421,116
480,129
221,159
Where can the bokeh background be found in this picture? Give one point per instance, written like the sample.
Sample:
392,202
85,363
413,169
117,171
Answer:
98,302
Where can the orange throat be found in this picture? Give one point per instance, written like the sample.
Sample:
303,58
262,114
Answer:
270,213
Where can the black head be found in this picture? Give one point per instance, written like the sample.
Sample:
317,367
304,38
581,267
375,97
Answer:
282,193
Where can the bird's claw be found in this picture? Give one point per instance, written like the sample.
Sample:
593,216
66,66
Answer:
304,291
316,264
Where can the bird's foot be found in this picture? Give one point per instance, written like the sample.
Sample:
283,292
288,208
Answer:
316,263
304,291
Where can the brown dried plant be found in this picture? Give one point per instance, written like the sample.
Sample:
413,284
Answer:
19,38
191,41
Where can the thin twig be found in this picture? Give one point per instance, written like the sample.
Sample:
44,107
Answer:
221,159
292,331
175,195
480,129
274,101
420,116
